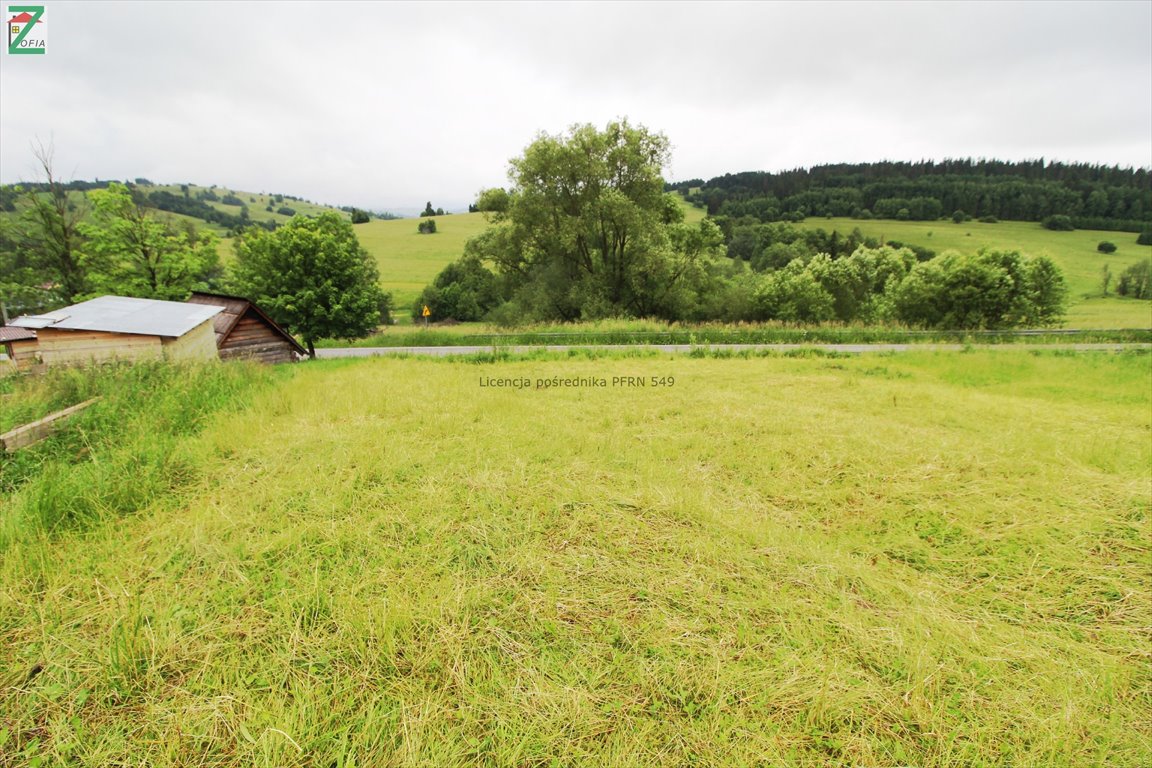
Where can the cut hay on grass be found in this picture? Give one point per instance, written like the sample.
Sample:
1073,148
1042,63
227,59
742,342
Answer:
931,560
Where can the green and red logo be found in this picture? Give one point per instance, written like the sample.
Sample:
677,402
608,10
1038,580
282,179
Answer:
27,31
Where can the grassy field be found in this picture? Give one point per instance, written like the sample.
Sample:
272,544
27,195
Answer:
1074,252
408,260
930,560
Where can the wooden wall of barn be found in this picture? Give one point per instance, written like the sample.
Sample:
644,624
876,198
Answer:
24,353
63,347
252,339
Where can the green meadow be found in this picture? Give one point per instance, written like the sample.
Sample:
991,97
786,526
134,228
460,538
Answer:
1074,252
409,260
923,559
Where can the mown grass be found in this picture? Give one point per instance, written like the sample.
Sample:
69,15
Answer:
932,560
1074,252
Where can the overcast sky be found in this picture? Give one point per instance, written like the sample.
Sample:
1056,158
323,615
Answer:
388,105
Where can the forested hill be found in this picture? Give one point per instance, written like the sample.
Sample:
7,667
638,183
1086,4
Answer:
1095,196
223,210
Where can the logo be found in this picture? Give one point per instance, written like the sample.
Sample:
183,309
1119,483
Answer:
27,30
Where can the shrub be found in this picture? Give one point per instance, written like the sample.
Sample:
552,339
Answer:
286,211
1145,238
464,290
993,289
1058,223
793,295
1136,281
989,220
426,227
1106,247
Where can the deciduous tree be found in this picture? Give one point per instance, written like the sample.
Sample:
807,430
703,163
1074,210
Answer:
50,231
141,254
313,276
584,231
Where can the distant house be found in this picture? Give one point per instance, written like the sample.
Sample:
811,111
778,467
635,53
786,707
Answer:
244,332
122,328
19,344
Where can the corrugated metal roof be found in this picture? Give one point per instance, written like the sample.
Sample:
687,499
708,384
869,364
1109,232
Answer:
121,314
11,333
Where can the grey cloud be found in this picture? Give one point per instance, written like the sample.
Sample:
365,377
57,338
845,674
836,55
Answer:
389,104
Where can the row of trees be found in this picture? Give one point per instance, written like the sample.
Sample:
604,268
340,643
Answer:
197,208
1097,197
990,290
586,231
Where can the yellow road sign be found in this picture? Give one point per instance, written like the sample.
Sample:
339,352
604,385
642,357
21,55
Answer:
427,311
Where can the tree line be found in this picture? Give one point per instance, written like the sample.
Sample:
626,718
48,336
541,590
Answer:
1093,196
588,231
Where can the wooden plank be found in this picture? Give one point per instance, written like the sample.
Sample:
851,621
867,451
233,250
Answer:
59,347
30,434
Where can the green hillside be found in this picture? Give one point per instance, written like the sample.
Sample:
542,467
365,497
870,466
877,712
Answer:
257,203
409,260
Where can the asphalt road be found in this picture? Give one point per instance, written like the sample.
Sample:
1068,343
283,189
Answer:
845,348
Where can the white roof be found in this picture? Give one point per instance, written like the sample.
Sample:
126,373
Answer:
121,314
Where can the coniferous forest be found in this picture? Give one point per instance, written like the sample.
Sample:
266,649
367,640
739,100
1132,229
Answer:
1093,196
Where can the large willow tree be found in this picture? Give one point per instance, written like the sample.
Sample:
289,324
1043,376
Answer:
586,229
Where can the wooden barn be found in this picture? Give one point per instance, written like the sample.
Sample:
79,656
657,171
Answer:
122,328
19,345
245,332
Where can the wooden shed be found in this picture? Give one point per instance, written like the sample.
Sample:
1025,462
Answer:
245,332
123,328
20,345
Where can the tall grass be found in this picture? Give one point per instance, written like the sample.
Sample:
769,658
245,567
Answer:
118,455
931,560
